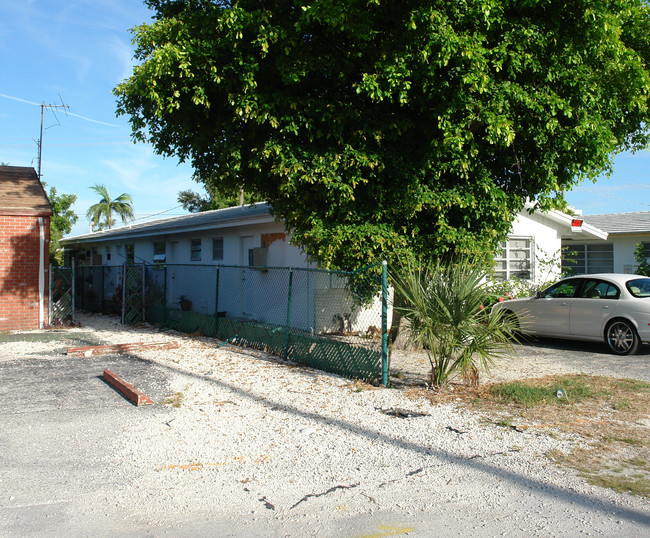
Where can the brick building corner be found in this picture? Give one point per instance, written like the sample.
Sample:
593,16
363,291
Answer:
25,213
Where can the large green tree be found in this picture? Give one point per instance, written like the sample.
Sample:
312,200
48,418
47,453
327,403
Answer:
62,220
101,213
388,127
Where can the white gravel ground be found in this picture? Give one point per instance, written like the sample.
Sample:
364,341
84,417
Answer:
263,444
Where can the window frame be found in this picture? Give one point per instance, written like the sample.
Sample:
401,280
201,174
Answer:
159,254
216,249
586,261
195,250
504,255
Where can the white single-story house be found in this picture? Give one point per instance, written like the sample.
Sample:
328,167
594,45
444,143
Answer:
251,236
232,238
613,253
244,235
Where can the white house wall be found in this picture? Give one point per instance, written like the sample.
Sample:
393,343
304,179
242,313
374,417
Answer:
319,300
178,247
624,247
547,237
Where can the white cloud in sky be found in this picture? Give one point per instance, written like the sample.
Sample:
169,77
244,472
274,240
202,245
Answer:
123,55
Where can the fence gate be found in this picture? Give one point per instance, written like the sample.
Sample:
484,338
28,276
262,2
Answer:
61,303
133,294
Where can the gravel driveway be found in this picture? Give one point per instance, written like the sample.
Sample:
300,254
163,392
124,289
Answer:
534,358
263,448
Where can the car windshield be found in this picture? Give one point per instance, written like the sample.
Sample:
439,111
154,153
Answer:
639,287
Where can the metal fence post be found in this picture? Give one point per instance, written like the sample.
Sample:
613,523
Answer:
74,289
144,295
216,306
103,292
123,290
384,323
286,351
165,295
49,297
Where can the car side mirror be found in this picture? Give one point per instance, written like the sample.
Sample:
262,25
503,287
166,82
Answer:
539,295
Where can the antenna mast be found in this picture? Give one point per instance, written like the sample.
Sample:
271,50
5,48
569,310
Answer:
54,108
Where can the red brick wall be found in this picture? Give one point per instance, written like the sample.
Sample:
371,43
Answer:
19,271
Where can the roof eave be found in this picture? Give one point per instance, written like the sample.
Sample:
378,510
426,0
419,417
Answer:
125,233
587,231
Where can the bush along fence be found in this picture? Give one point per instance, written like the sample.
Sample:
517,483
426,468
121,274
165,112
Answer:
330,320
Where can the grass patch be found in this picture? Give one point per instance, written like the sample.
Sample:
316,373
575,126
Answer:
561,391
175,400
610,415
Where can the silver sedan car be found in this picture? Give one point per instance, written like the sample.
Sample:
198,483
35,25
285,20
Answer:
614,308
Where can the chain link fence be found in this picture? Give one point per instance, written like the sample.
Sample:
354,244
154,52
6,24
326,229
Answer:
330,320
61,304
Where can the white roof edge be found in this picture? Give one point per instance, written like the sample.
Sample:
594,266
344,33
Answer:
144,229
563,218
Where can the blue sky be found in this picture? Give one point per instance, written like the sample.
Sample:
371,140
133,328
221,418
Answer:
76,52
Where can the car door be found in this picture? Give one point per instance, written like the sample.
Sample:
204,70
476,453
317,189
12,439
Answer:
594,304
550,312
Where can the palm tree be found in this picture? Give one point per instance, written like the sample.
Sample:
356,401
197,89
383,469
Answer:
446,306
101,213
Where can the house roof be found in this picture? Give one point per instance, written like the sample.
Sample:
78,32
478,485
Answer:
621,223
587,231
21,192
194,222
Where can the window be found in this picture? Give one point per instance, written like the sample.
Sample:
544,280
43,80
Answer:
217,248
195,250
584,259
639,287
597,289
108,253
562,290
514,259
159,252
130,253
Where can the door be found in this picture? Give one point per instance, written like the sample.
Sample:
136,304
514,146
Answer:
596,302
550,314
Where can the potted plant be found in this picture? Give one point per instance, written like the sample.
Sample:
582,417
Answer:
186,304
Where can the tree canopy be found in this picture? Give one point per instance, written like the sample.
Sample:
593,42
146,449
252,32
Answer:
194,202
101,213
382,128
62,220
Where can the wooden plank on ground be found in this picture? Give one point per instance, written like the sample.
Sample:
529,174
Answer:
89,351
127,390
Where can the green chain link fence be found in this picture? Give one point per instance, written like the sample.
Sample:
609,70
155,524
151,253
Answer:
330,320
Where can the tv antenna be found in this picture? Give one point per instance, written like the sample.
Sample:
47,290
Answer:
53,108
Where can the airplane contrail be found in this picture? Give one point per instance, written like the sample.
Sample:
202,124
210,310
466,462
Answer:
20,100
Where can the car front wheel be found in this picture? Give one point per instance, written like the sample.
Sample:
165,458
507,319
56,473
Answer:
622,338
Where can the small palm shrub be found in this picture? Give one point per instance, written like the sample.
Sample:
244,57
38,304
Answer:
445,305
